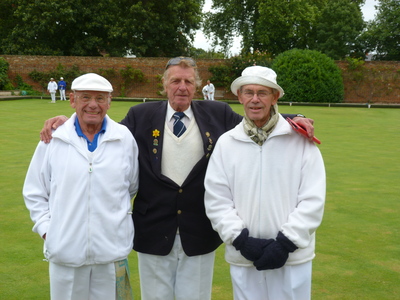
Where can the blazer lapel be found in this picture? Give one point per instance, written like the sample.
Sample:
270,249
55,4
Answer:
156,137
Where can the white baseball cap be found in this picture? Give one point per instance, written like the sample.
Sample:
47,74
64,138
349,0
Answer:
91,82
257,75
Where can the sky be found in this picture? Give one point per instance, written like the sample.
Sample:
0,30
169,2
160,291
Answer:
200,40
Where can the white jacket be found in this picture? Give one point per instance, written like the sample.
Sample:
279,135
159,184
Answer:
279,186
82,199
52,86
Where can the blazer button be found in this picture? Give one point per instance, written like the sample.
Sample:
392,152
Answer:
179,211
180,191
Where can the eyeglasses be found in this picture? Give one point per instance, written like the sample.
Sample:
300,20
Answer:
176,60
88,98
248,94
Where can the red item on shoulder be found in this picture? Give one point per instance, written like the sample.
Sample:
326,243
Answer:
301,130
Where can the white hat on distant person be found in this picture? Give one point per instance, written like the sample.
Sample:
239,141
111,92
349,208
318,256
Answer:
62,78
91,82
257,75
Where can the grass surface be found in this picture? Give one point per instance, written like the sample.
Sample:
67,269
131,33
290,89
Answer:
358,243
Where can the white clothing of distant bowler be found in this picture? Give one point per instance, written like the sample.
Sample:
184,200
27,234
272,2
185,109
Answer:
52,89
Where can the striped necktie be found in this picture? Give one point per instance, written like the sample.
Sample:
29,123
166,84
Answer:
179,127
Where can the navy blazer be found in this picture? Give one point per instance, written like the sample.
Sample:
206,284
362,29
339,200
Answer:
161,205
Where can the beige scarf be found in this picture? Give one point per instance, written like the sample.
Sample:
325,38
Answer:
260,135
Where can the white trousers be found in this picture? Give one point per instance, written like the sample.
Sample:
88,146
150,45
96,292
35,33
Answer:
176,276
286,283
92,282
62,95
53,97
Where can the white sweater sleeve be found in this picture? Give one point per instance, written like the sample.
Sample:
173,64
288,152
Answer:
36,190
307,216
219,204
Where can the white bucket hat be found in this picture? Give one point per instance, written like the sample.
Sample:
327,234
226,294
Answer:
91,82
257,75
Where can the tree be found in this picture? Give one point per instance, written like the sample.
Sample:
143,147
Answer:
383,33
230,18
7,20
276,26
284,25
199,53
163,27
101,27
265,25
339,27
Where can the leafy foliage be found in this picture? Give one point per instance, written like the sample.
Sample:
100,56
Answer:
129,77
308,76
101,27
69,74
221,75
224,74
383,33
4,81
284,25
339,26
199,53
277,26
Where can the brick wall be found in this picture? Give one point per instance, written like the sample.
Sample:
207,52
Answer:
153,69
374,82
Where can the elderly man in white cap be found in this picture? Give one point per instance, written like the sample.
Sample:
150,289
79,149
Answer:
265,194
52,89
78,190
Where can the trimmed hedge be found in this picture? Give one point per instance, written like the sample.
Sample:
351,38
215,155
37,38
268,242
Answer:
308,76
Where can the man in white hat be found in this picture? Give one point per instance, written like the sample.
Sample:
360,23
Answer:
52,89
62,86
265,194
78,190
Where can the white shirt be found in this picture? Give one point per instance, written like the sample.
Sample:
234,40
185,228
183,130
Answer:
169,118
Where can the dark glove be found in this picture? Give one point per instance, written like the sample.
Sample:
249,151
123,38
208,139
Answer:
275,254
251,248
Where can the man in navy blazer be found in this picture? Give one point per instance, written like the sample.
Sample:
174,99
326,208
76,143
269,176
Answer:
173,236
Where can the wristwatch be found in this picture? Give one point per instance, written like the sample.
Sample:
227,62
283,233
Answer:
300,115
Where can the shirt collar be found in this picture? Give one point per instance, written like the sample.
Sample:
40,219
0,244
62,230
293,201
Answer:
79,129
171,111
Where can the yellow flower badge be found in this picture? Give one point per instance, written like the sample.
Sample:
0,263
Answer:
156,133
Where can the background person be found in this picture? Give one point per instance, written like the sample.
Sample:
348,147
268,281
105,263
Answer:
62,86
78,190
210,90
173,237
265,194
52,89
205,92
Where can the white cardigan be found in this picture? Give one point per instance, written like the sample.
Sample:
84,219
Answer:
279,186
82,199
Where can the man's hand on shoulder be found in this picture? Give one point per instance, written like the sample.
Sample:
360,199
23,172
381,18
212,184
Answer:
307,124
49,125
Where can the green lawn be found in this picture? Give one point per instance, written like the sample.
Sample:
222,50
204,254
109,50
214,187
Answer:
358,243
